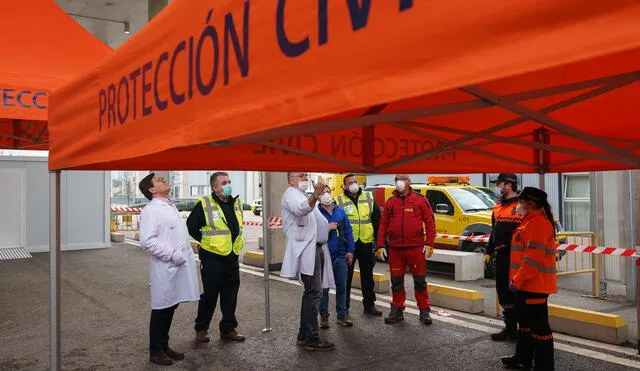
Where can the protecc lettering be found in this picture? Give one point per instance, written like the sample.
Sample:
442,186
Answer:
22,98
351,146
359,11
195,62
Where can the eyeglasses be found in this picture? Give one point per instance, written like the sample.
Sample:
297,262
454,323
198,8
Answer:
304,175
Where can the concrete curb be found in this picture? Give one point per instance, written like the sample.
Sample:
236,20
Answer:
253,258
381,282
468,301
604,327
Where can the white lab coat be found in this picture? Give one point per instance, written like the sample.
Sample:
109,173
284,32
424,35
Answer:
301,231
163,234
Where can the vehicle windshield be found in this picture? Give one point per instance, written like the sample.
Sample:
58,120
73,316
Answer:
473,199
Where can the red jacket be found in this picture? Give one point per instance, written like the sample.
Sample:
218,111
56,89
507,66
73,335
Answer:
403,219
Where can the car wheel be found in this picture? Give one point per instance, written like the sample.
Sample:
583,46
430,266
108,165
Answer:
470,246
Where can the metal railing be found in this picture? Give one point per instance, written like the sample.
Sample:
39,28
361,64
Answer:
574,262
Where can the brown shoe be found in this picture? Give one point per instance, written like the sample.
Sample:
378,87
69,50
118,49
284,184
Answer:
373,311
318,345
202,336
161,359
176,356
232,335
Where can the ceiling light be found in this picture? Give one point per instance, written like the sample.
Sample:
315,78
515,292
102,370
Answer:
127,27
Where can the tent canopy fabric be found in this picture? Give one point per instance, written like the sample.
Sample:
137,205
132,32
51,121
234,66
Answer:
44,50
397,86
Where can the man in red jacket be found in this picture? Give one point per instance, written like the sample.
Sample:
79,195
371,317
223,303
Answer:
409,223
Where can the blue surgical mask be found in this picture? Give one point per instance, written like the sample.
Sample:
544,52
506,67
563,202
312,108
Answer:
226,190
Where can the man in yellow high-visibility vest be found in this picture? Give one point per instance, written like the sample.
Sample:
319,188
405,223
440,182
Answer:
364,214
216,222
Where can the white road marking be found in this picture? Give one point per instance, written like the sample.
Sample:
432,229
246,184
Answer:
490,329
411,308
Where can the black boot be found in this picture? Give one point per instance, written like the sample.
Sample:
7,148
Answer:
396,315
523,358
544,353
510,331
424,317
514,363
504,335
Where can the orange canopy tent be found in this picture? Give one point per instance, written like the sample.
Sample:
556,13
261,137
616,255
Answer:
396,86
42,48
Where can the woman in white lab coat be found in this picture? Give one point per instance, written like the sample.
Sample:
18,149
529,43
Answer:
306,255
164,235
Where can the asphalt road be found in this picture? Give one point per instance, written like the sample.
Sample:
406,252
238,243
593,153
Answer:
105,313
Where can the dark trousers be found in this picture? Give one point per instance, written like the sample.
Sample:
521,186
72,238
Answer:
220,276
535,339
505,296
159,326
311,300
366,260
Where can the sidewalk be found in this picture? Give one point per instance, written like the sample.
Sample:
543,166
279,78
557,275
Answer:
105,314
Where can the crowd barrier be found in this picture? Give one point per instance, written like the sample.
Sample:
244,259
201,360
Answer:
125,219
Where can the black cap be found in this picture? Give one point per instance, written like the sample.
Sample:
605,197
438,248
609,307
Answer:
533,194
505,177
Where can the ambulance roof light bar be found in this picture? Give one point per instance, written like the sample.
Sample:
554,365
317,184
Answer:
448,180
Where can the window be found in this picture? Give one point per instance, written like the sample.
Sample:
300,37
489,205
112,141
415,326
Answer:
576,202
472,199
199,190
438,197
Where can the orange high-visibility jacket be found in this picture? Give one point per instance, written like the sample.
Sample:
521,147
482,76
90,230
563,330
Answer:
533,255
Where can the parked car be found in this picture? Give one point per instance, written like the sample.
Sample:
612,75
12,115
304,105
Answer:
256,206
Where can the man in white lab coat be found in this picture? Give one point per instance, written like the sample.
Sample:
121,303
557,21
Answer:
306,233
164,235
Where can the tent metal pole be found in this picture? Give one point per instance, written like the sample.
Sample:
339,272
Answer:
542,157
266,210
54,268
541,184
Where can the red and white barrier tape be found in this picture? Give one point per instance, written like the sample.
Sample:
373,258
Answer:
479,238
276,222
566,247
599,250
130,209
259,224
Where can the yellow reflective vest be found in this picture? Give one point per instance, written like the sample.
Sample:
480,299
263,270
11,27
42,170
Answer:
360,217
216,236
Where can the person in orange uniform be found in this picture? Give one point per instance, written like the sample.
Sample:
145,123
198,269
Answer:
533,277
504,221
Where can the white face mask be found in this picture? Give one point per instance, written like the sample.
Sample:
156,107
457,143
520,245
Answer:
400,185
326,199
520,210
353,188
303,185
